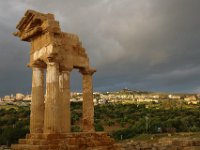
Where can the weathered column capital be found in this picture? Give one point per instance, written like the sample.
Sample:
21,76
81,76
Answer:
37,64
87,71
66,71
51,63
65,68
37,68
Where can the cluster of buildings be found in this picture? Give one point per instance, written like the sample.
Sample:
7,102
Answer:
129,96
122,96
16,97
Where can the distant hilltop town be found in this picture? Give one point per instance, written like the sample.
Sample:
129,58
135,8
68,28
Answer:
123,96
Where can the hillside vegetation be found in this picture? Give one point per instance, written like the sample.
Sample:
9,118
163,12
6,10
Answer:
122,121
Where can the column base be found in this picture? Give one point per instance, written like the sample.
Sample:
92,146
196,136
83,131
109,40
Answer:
68,141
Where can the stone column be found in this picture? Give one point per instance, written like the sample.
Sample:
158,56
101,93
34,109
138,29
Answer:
37,102
53,116
64,87
88,104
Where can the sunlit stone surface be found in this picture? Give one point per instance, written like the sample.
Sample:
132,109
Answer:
59,53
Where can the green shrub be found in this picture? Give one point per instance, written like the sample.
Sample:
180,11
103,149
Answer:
76,128
123,134
98,127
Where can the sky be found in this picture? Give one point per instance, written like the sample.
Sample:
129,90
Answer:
151,45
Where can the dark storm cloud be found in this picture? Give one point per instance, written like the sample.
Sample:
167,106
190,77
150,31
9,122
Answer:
145,44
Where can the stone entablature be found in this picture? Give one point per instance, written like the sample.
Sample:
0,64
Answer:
49,43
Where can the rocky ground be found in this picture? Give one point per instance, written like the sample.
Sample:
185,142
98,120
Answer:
184,141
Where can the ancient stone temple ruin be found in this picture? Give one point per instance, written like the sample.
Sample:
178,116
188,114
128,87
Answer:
58,53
